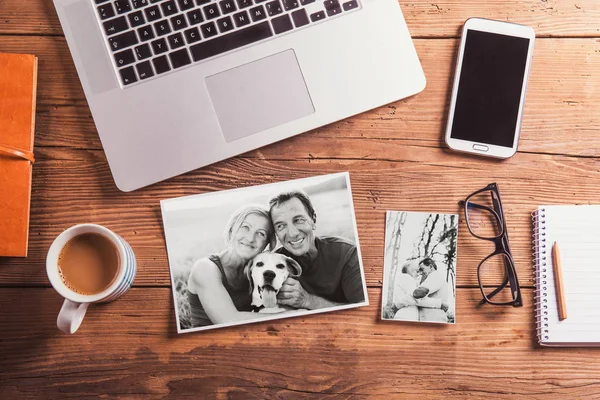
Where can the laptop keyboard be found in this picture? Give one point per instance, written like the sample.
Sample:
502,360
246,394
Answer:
149,38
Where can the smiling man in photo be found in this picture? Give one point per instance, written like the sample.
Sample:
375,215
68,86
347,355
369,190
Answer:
331,274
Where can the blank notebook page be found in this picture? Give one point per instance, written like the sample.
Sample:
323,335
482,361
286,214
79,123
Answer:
576,229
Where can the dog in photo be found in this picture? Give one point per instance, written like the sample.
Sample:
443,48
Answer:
266,273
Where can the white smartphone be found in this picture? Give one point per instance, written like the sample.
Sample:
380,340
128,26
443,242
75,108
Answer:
489,89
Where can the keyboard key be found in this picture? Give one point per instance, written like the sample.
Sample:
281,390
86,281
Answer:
290,4
257,13
161,64
192,35
162,27
185,4
139,3
211,11
300,18
195,17
159,46
176,41
178,22
274,8
225,24
145,33
241,19
231,41
351,5
305,2
124,58
123,40
128,76
202,2
282,24
244,3
115,25
227,6
209,29
136,19
122,6
318,16
144,70
180,58
332,7
106,11
153,13
168,8
143,52
100,1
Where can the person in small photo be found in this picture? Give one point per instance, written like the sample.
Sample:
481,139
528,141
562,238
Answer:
331,274
218,289
409,307
433,286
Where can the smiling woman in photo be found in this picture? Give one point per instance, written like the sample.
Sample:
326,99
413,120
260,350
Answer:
218,290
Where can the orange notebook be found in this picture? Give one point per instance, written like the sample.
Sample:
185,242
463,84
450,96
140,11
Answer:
18,86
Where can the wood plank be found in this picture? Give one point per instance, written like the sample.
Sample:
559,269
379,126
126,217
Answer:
424,18
75,186
561,104
130,348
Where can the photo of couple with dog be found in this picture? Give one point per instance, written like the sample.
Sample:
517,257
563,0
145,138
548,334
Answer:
275,264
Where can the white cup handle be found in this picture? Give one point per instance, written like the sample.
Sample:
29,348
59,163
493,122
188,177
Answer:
71,315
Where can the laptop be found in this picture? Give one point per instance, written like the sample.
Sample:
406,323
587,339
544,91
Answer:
175,85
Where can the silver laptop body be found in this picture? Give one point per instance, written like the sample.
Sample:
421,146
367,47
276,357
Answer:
203,80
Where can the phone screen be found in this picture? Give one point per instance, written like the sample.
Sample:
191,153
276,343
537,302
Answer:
489,89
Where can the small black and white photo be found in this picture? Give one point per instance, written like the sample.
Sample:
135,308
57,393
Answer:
419,274
264,252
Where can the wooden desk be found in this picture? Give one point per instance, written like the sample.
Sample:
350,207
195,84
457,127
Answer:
397,161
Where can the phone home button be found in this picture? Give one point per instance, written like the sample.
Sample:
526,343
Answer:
480,147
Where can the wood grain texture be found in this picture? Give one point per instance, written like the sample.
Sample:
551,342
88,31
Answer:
397,161
129,349
75,186
425,18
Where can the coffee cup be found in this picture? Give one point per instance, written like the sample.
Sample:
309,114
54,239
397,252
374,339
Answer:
86,264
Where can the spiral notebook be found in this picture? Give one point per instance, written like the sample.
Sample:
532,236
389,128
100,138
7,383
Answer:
576,229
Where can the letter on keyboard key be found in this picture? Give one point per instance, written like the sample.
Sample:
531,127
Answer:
300,18
351,5
231,41
282,24
123,40
180,58
128,75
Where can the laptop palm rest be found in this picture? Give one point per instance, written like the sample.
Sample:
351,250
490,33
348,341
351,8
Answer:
259,95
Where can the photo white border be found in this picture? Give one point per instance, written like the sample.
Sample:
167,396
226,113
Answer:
182,203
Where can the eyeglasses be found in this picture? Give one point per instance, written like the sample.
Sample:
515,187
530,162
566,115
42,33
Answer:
496,273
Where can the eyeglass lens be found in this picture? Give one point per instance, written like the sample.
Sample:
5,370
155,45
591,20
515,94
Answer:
482,218
494,279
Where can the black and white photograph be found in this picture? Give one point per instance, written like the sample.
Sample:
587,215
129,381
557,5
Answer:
419,274
264,252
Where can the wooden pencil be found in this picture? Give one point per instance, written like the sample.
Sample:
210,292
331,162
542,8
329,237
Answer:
558,282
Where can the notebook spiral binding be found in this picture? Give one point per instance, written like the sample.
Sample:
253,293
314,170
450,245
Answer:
540,273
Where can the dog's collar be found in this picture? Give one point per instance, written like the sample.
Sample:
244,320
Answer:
257,309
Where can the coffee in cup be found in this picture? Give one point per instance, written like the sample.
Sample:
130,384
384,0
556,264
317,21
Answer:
88,263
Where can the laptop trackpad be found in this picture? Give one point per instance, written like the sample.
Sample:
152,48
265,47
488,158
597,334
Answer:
259,95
